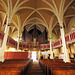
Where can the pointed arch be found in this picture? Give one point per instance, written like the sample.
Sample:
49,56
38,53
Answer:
32,22
31,14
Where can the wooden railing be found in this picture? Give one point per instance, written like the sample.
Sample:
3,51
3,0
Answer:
22,46
70,38
11,42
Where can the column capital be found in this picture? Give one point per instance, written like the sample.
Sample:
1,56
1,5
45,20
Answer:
60,19
9,20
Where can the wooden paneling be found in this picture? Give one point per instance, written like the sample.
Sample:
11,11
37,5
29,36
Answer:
17,55
10,55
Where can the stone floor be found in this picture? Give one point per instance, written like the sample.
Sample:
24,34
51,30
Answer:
34,69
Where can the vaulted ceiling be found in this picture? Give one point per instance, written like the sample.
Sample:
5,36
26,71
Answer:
43,13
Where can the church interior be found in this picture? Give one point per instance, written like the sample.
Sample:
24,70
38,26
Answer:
37,37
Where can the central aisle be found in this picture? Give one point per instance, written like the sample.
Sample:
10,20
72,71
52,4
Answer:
35,69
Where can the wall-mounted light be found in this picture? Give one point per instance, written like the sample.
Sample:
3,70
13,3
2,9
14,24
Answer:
61,27
49,38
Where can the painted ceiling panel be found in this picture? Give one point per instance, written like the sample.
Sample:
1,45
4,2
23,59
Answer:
70,12
42,4
58,3
66,3
30,3
13,3
2,9
24,14
50,1
54,22
15,19
67,20
46,15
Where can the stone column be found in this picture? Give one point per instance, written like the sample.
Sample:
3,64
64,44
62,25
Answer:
18,38
51,52
3,48
66,53
38,54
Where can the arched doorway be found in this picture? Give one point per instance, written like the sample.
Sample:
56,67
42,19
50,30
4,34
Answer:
34,56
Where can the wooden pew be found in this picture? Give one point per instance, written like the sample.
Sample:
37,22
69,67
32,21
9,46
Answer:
14,67
11,71
62,71
57,65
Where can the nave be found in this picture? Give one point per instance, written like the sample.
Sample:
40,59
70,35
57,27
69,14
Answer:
35,69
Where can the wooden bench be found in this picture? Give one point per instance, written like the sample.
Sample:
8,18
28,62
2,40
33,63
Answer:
56,65
11,71
14,67
62,71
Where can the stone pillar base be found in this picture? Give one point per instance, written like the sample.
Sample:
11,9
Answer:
2,59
